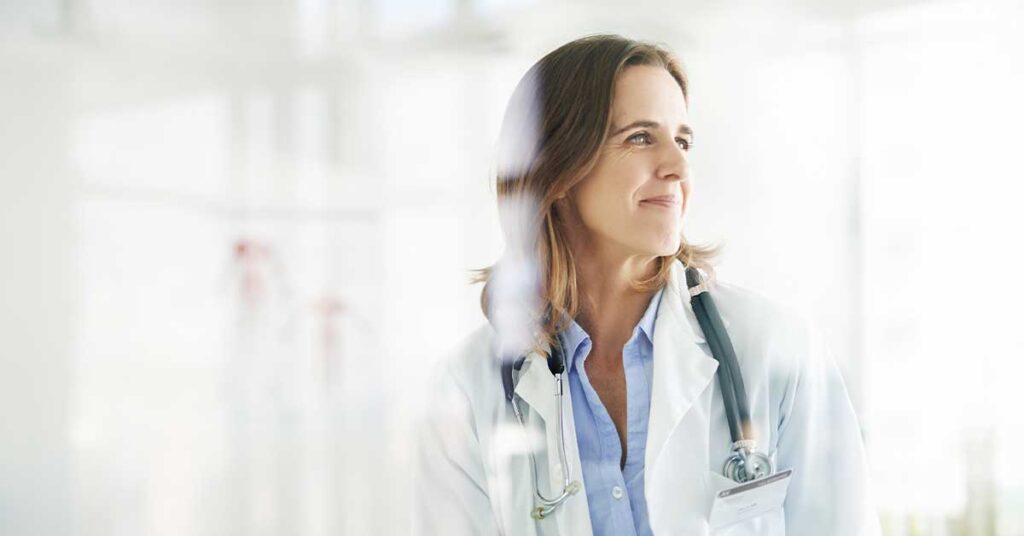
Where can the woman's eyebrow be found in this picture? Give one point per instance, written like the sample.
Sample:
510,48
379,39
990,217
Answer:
647,123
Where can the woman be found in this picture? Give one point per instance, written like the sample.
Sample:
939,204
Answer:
593,181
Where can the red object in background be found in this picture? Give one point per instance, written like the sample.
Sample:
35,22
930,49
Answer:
254,258
328,308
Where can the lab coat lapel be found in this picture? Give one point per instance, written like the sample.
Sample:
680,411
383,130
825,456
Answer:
536,388
682,370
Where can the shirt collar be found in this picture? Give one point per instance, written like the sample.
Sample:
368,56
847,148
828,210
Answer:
574,335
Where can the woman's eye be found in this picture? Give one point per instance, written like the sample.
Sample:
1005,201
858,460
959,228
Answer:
642,137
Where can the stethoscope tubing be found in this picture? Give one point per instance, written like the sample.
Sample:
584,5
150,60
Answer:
734,393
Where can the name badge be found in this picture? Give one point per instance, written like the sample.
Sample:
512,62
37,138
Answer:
749,499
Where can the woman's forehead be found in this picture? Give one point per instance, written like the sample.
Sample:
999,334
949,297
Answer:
645,92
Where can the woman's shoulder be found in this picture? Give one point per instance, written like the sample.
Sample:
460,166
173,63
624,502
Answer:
746,301
763,318
471,358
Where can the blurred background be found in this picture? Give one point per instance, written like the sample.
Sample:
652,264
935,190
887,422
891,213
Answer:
235,238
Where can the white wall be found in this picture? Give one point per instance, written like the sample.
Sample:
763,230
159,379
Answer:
38,290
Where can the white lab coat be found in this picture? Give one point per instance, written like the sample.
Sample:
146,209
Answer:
472,475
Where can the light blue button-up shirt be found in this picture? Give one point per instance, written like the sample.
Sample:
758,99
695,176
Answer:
616,496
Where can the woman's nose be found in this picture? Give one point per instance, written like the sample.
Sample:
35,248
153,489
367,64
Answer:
674,163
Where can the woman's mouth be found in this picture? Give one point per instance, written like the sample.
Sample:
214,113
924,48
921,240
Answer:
666,201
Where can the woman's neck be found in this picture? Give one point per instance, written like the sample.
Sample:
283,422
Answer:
610,307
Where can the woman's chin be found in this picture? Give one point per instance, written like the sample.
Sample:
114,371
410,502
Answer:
668,246
661,250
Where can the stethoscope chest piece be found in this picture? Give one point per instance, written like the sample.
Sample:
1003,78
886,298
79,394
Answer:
747,464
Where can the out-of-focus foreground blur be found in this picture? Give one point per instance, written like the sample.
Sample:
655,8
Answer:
235,239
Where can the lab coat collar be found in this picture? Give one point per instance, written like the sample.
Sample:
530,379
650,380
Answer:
678,277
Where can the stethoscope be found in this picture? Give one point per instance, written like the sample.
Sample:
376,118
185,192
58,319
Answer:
746,462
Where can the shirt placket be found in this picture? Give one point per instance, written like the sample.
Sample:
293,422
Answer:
613,480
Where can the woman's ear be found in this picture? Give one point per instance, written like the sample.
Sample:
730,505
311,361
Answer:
563,204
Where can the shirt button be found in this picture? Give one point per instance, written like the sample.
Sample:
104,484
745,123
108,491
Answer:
617,492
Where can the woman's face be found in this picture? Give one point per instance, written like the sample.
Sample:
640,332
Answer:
632,202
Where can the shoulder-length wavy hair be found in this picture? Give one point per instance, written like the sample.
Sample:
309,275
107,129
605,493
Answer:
557,119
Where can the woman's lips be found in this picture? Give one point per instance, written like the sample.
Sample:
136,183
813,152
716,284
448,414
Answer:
666,201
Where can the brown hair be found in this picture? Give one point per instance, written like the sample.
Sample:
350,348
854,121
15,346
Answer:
557,119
